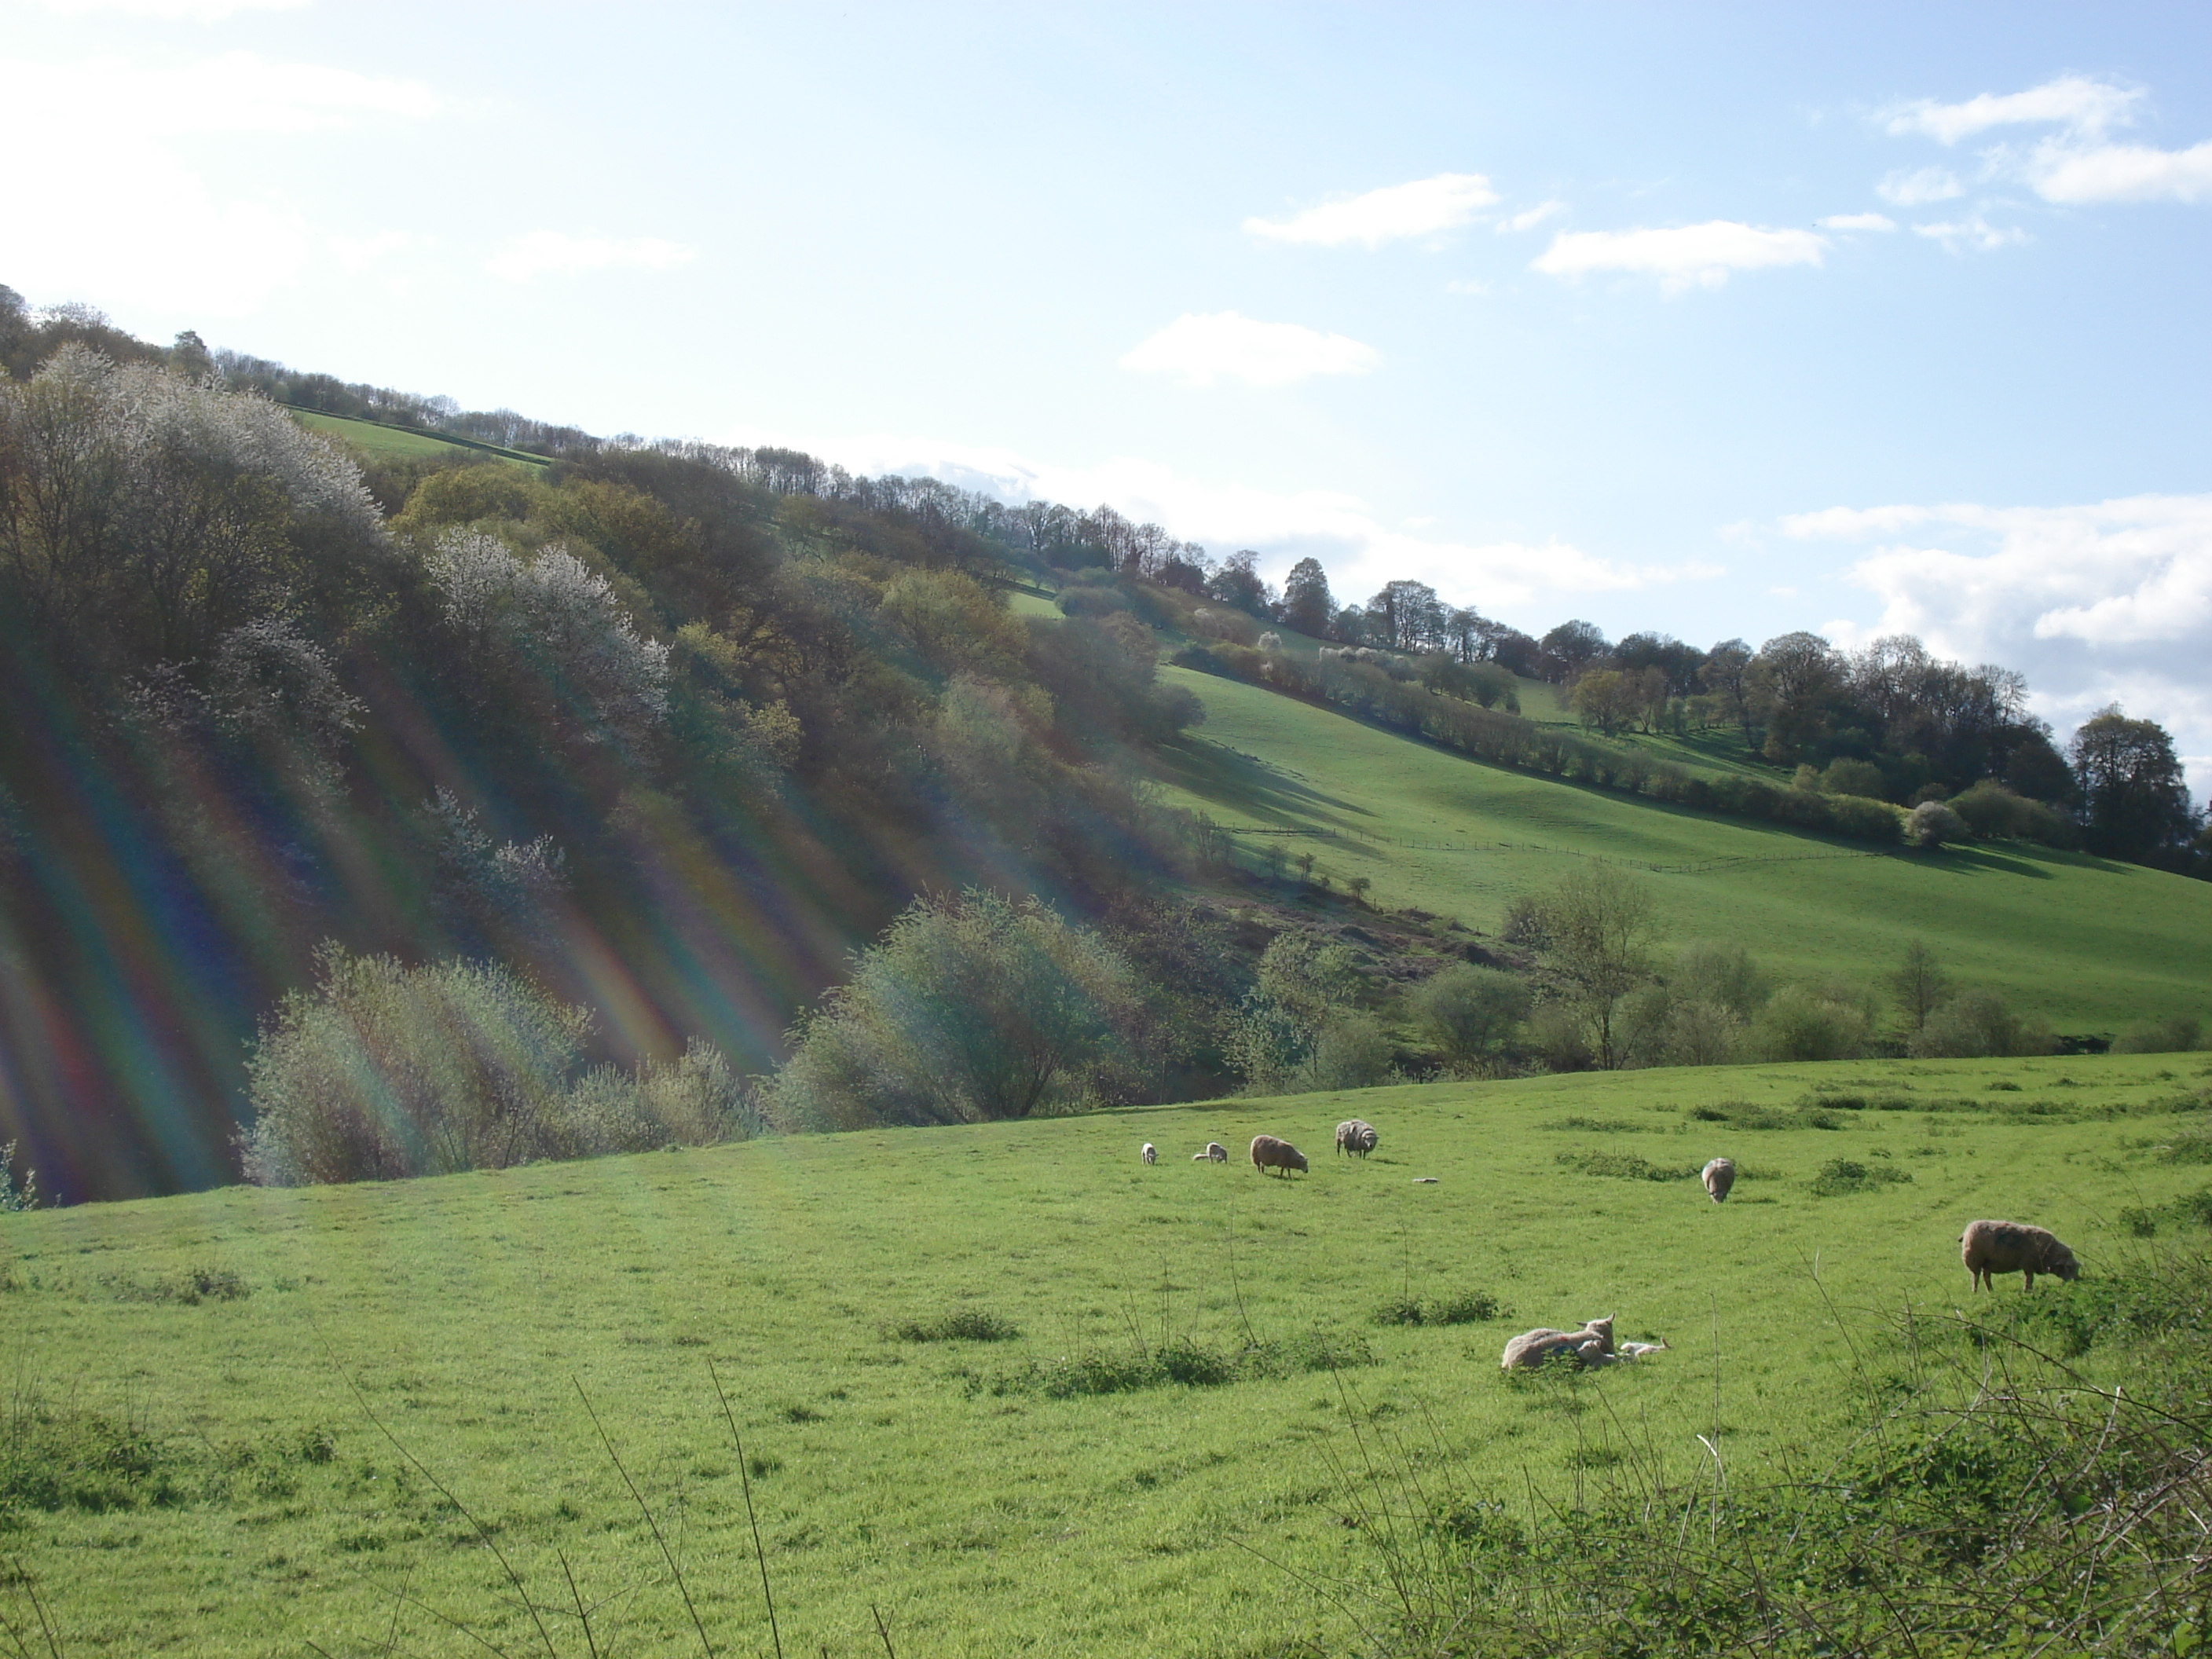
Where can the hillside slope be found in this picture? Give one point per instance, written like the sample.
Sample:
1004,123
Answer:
2089,943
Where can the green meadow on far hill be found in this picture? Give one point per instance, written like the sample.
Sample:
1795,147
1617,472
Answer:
2090,945
189,1469
379,442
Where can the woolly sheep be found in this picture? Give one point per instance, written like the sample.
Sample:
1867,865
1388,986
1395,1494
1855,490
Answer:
1215,1153
1151,1154
1355,1135
1592,1345
1720,1175
1991,1248
1270,640
1269,1153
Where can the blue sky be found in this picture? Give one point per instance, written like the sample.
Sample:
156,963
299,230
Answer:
1716,320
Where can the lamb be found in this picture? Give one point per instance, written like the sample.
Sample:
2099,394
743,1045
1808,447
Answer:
1151,1154
1215,1153
1355,1135
1720,1175
1590,1346
1991,1248
1269,1153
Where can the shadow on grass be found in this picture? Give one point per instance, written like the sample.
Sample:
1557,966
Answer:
1239,783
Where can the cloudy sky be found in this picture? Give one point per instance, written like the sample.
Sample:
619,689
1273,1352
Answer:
1721,320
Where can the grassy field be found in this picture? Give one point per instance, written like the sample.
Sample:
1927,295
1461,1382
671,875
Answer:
376,439
2089,944
198,1358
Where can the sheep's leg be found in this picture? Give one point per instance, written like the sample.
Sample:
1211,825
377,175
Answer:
2027,1278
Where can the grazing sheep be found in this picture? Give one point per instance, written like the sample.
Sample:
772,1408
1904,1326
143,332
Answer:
1269,1153
1355,1135
1991,1248
1215,1153
1590,1346
1720,1175
1151,1154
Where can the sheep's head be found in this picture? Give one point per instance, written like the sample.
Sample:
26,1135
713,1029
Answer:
2063,1264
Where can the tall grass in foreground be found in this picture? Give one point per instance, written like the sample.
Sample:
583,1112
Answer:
1996,1500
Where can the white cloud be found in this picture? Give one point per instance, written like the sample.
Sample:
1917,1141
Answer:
1858,221
1530,218
2121,173
2074,101
525,257
1702,254
1466,285
2094,603
1971,232
1358,549
127,221
1201,348
189,11
1422,208
1919,186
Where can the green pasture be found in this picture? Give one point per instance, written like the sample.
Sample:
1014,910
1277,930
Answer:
2089,944
233,1495
376,439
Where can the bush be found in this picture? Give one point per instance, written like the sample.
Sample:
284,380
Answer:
2174,1035
385,1071
1975,1025
1854,777
1463,1307
1992,811
1932,824
1805,1021
1470,1013
969,1009
1864,818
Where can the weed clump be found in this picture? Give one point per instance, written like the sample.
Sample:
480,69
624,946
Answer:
1623,1166
1191,1364
188,1289
1816,1112
2143,1221
1463,1307
1841,1176
1596,1125
962,1325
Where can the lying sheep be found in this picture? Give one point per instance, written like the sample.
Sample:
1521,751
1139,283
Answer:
1151,1154
1269,1153
1592,1345
1720,1175
1355,1135
1991,1248
1624,1354
1215,1153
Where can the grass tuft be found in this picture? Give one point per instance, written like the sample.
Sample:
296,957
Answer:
1623,1166
966,1324
1841,1176
1463,1307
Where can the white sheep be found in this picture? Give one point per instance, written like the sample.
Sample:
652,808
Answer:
1355,1135
1592,1345
1719,1177
1151,1154
1215,1153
